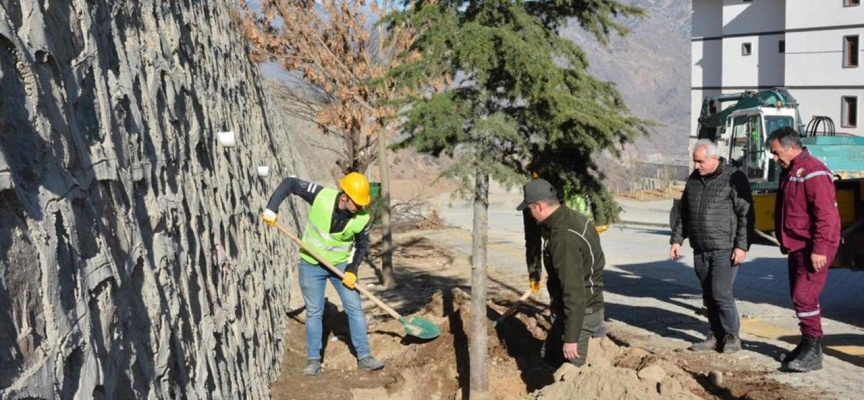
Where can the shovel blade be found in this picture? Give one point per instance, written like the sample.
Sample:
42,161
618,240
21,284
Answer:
420,327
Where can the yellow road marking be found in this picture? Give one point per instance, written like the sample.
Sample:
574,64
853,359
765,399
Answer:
851,350
757,327
851,353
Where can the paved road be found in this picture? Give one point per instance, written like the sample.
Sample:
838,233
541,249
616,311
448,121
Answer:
647,290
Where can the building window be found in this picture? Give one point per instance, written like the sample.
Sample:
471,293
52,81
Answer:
850,51
849,114
746,49
781,46
851,3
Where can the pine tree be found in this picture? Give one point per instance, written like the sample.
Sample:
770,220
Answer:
517,93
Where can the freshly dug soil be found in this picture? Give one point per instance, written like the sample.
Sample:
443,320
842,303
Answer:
627,364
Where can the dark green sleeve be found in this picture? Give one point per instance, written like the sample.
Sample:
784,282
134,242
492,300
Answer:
567,261
533,244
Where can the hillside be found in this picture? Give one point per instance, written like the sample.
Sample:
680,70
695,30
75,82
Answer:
651,67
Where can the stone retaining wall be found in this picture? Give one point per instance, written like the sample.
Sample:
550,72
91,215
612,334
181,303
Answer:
132,260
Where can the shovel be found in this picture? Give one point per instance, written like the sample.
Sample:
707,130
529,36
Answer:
513,308
416,326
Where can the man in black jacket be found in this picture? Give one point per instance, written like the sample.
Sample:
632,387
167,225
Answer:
716,214
574,262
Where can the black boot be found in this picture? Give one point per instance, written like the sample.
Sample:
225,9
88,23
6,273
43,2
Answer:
785,359
810,358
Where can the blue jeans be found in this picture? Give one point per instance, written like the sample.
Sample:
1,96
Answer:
313,281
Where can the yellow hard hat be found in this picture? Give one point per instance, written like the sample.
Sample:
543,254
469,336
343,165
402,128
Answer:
356,186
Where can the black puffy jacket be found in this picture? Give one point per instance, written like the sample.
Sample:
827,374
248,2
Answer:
716,211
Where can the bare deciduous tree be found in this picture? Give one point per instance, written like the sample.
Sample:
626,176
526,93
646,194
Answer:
344,88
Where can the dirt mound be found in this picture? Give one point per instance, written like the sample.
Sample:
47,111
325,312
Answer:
614,372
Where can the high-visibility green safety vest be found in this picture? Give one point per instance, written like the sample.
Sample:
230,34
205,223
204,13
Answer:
334,247
575,201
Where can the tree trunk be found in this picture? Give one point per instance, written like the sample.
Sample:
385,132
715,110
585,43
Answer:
479,339
389,281
387,231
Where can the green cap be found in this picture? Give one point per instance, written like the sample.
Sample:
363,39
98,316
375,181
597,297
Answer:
536,190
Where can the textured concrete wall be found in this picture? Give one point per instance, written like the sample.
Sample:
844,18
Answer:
132,262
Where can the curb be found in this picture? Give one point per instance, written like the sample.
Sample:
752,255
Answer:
641,223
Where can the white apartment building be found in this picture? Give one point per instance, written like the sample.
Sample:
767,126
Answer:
811,47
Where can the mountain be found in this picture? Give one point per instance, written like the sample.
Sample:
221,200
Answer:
651,67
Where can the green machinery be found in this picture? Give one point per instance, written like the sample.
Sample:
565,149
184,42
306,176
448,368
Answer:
740,130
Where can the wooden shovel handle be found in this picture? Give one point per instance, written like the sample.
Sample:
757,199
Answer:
514,307
338,273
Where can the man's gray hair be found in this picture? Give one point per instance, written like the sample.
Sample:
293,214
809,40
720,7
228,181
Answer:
787,137
711,149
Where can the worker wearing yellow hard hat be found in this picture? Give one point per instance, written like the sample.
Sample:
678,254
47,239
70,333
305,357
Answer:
337,229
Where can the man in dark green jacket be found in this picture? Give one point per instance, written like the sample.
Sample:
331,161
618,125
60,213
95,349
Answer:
574,262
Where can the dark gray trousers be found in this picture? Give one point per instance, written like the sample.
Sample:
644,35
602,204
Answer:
553,348
717,275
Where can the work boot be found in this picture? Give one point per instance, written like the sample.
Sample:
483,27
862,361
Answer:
785,359
810,358
731,344
369,363
312,368
709,344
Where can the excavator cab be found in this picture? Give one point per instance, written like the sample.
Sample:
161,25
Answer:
749,129
747,146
